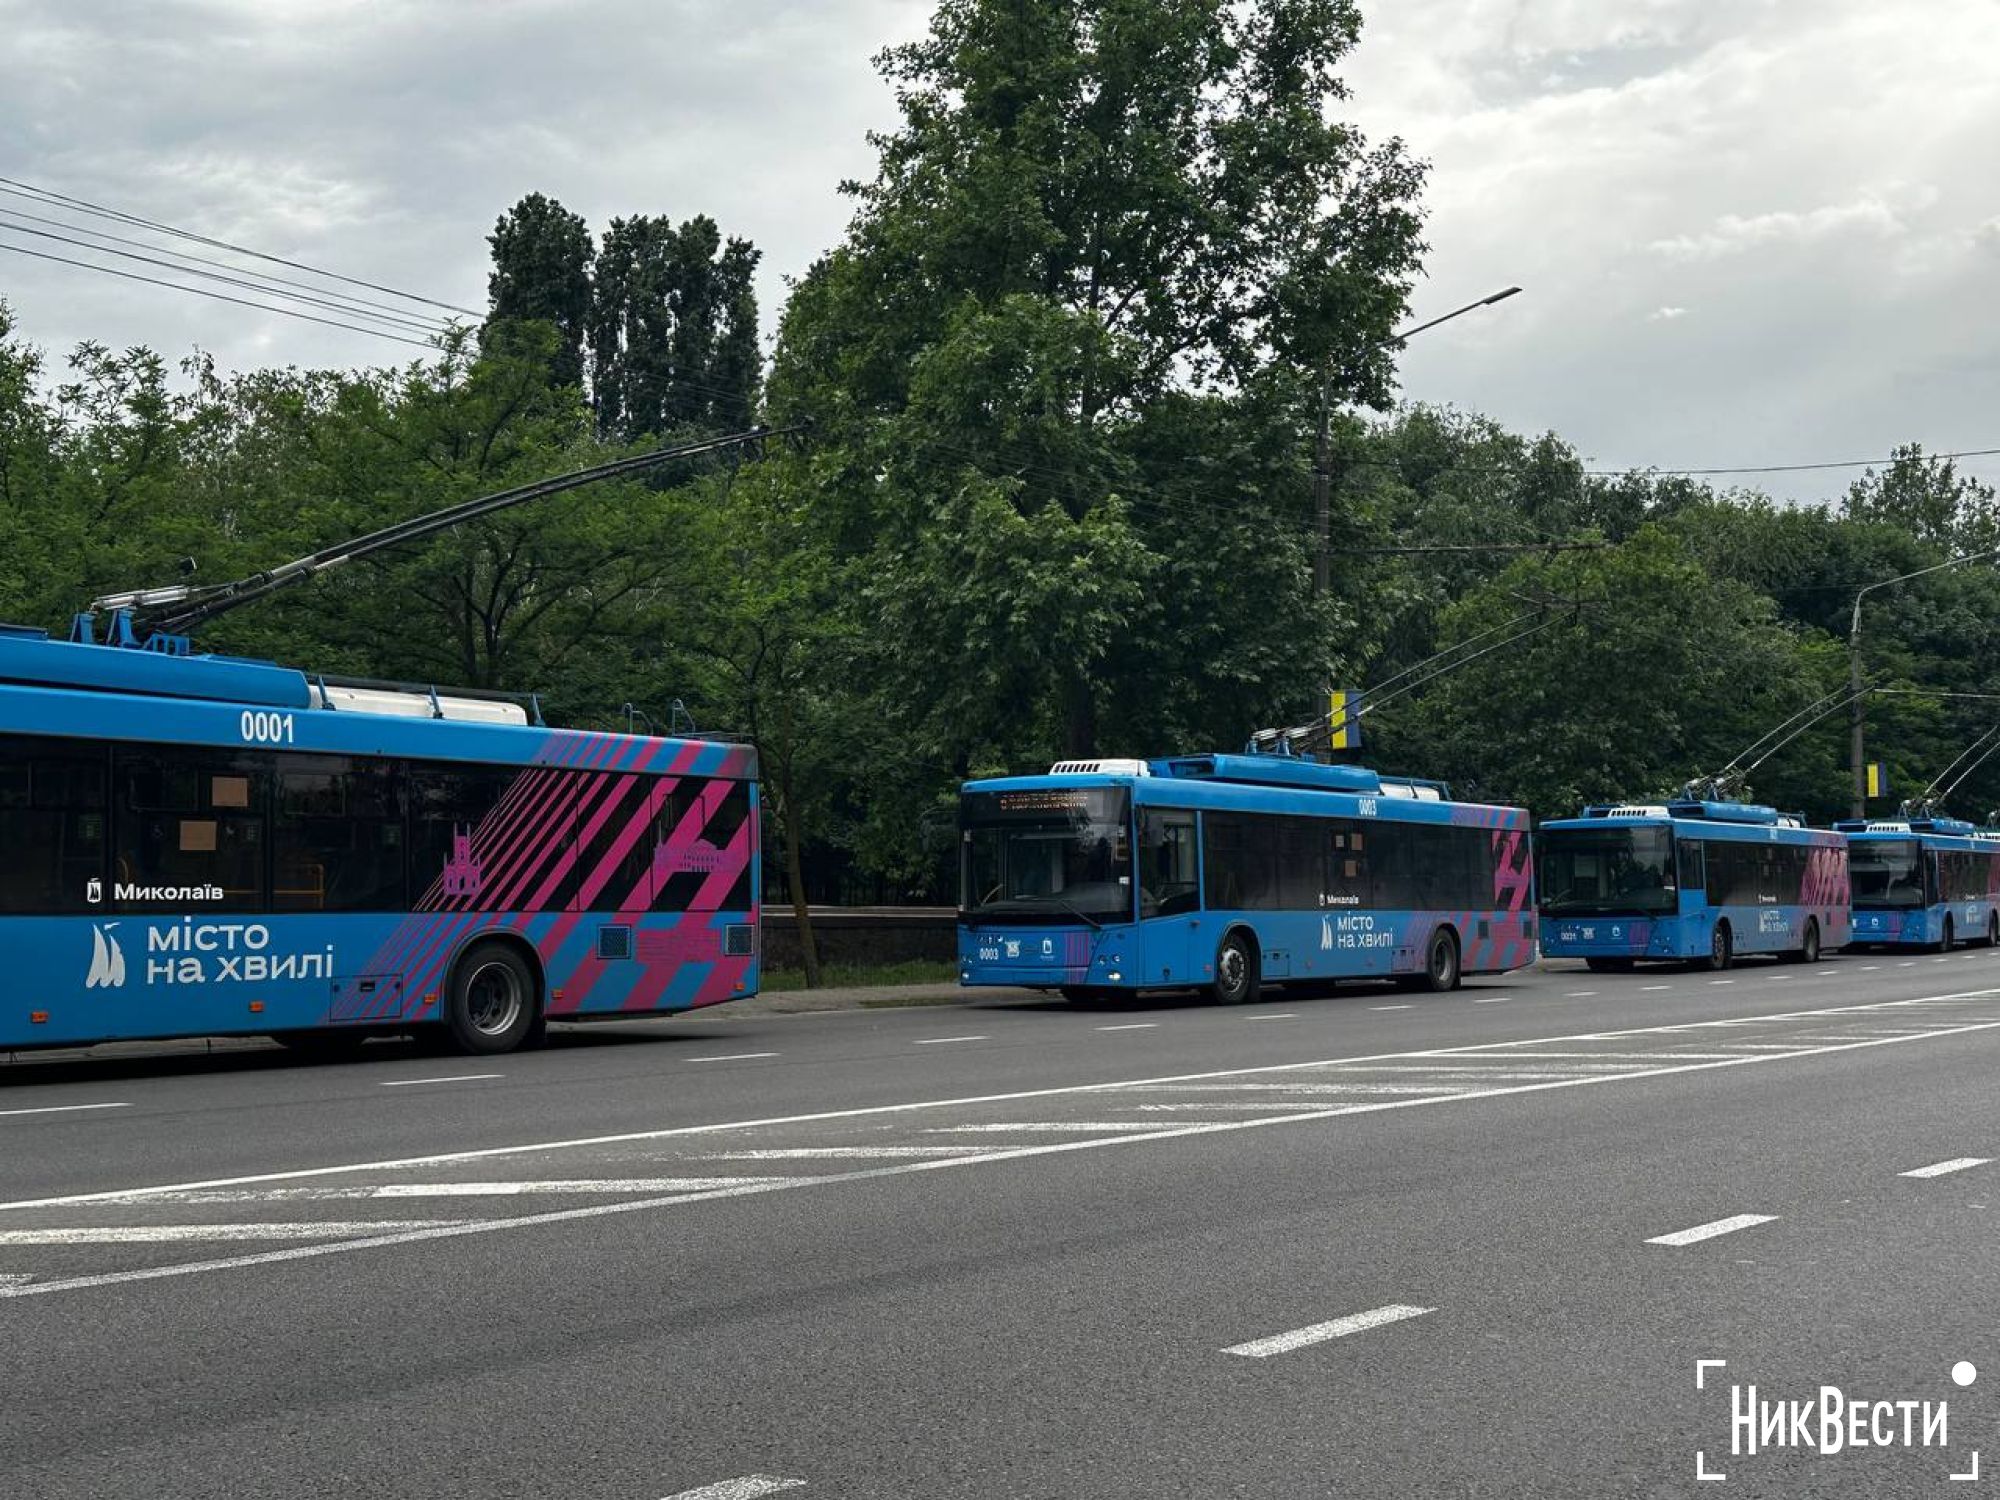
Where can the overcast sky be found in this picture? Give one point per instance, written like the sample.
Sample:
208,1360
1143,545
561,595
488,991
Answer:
1750,231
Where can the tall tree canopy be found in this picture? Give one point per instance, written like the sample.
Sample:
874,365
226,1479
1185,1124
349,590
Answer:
541,272
1063,363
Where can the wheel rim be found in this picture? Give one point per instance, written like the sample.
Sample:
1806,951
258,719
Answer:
1232,967
1441,962
493,999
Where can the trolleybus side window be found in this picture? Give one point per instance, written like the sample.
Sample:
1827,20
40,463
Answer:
1167,864
53,817
337,835
191,820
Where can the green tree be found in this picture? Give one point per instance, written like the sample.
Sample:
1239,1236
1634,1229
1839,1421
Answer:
673,328
541,272
1062,368
1929,499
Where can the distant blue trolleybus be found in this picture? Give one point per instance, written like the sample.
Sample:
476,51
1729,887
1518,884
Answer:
1923,882
1229,872
199,845
1700,881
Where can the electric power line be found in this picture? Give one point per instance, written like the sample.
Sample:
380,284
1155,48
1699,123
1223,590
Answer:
332,305
49,195
200,291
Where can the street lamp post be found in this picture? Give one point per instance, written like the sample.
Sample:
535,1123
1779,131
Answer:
1856,746
1323,465
1323,454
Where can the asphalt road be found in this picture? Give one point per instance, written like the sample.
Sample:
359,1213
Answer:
1373,1244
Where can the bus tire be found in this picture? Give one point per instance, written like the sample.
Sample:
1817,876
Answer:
1236,981
1721,949
1946,938
493,1001
1441,970
1609,965
1807,951
1993,929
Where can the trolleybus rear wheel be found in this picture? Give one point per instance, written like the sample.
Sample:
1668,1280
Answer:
1993,929
1807,951
492,1004
1235,972
1441,963
1947,938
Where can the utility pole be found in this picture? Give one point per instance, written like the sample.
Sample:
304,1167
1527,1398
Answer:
1857,752
1323,453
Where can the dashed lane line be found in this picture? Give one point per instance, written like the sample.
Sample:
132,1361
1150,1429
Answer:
1709,1231
63,1109
1942,1168
406,1083
1131,1026
869,1174
749,1487
1319,1333
939,1041
731,1057
1391,1007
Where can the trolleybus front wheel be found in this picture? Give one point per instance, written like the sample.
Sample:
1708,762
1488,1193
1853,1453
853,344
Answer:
1721,948
493,1001
1235,972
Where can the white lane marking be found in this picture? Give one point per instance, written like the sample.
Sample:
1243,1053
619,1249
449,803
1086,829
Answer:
1939,1168
730,1057
1319,1333
1824,972
1491,1051
164,1234
1047,1127
1390,1007
1722,981
1779,978
404,1083
1131,1026
1633,1056
1940,960
1489,1000
59,1109
749,1487
1870,968
1579,994
370,1191
808,1153
835,1153
1908,963
1276,1015
1702,1232
939,1041
871,1174
1266,1104
1647,989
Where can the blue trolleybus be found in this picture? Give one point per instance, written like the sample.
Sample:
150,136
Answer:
1228,872
200,845
1924,882
1701,881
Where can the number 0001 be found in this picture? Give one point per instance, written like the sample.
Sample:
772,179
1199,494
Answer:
267,729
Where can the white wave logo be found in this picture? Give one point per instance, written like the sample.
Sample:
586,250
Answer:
1325,935
107,960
